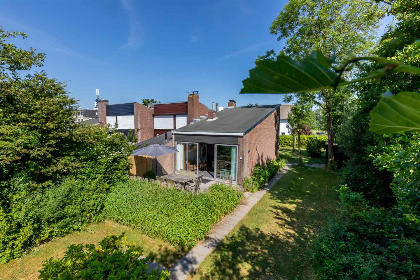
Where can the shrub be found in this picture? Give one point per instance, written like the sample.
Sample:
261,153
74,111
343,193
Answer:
114,259
314,147
179,217
261,175
150,174
37,217
287,140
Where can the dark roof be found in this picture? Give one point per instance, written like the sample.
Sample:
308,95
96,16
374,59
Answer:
234,121
125,109
93,121
285,111
160,139
90,113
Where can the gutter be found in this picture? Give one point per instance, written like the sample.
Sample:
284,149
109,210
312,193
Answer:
208,133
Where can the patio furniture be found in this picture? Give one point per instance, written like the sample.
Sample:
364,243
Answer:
192,165
177,179
224,173
203,166
195,185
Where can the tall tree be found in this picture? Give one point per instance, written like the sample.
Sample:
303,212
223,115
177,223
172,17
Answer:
334,27
299,118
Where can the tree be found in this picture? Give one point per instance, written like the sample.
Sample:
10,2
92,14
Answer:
335,28
299,118
146,101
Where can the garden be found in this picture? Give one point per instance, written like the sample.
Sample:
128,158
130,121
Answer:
63,182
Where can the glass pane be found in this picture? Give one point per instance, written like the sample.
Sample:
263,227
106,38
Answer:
180,157
226,162
192,157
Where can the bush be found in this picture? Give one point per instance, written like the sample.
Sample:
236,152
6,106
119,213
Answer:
114,259
287,140
179,217
314,147
150,174
261,175
37,217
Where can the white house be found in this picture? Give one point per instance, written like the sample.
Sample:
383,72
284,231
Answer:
284,115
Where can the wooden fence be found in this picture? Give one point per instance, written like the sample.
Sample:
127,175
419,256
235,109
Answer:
140,164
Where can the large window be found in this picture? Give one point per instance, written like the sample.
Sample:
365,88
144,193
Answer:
187,156
226,162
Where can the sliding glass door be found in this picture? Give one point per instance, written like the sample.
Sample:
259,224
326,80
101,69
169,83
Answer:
186,158
226,161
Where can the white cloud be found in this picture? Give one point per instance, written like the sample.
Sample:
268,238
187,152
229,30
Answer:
136,29
194,38
248,49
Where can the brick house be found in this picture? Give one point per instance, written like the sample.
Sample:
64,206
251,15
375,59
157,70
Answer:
149,122
228,144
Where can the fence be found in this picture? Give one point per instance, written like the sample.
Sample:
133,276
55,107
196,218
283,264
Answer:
140,164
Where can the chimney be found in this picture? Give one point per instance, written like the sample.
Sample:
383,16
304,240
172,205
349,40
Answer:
212,114
232,104
193,106
217,107
212,106
102,111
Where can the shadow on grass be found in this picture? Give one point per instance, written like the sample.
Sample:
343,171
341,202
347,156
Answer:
293,156
281,249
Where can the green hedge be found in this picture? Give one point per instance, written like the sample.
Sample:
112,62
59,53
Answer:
287,140
56,211
179,217
261,174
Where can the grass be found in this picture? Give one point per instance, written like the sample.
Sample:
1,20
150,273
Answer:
274,240
28,266
290,156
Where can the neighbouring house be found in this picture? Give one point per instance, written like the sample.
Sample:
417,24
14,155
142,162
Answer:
284,115
148,122
127,116
227,145
84,115
170,116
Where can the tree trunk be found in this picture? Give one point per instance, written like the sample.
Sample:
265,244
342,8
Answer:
330,136
294,141
300,153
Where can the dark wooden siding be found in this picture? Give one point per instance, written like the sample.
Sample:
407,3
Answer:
180,108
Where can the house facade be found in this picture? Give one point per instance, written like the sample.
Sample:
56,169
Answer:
148,122
228,144
284,115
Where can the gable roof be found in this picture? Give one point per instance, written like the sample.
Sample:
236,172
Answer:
285,111
230,121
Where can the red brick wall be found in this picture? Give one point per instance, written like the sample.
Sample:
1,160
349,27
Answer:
143,122
102,112
195,108
259,145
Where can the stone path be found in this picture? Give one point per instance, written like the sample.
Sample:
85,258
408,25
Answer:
193,258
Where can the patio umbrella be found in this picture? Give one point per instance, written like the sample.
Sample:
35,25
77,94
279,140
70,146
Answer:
154,150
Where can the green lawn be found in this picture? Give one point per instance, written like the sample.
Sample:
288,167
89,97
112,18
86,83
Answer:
290,156
28,266
274,240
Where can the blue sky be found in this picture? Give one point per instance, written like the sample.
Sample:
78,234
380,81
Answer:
148,49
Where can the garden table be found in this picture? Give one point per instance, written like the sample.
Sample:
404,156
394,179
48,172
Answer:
178,178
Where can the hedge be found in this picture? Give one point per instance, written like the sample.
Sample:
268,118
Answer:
176,216
261,174
287,140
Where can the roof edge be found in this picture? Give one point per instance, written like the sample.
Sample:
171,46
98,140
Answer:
208,133
263,118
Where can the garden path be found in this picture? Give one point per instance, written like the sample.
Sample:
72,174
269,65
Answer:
193,258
